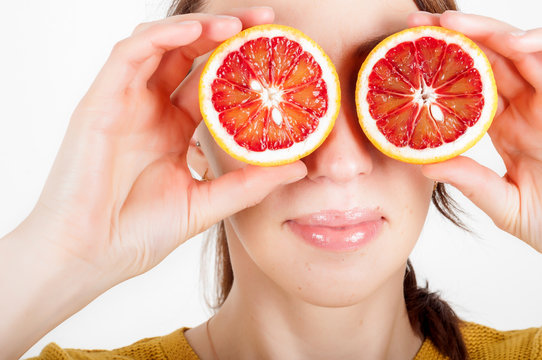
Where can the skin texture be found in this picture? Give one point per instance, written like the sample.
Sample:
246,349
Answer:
279,280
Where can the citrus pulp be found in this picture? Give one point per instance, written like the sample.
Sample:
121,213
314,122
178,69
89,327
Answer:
425,94
269,95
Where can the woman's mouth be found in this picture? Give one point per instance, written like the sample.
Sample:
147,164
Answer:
338,230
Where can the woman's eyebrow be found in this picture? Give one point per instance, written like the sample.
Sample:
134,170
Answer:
366,46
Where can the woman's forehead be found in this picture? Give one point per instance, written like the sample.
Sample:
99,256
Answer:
337,25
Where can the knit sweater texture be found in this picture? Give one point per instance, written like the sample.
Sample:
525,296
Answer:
482,343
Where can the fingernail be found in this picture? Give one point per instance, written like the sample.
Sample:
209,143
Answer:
293,180
262,7
188,22
227,17
518,33
296,177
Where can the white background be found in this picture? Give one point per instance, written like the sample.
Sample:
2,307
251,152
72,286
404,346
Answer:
51,51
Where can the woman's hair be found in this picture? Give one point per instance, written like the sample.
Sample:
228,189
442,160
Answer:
431,316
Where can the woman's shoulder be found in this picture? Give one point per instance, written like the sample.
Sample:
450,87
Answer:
484,342
171,346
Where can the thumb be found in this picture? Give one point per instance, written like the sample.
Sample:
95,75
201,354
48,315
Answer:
241,189
485,188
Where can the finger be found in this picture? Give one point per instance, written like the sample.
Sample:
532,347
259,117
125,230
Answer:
250,16
493,34
168,75
509,81
485,188
169,20
238,190
526,41
129,54
530,44
175,64
484,29
185,96
423,18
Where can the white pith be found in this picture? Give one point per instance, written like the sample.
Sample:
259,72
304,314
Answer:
276,116
426,97
271,98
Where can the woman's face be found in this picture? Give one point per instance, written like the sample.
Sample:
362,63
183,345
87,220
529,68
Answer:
346,175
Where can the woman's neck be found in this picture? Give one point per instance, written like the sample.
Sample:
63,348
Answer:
268,324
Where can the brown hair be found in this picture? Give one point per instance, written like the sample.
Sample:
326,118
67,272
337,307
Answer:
430,315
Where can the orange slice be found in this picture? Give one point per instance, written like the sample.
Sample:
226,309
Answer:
269,95
425,94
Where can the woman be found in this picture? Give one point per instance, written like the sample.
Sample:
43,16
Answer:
120,198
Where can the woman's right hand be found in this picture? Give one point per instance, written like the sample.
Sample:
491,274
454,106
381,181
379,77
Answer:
120,196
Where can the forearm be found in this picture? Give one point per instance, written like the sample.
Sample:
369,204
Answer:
39,288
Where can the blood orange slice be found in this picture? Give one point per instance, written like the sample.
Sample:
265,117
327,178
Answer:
425,94
269,95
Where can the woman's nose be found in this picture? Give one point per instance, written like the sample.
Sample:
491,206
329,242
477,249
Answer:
345,154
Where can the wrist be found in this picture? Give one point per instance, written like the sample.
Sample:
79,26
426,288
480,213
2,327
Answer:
75,243
41,287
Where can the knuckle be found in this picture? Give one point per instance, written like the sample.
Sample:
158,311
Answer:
244,180
120,46
140,27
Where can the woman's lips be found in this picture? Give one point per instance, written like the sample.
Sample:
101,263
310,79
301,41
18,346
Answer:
337,230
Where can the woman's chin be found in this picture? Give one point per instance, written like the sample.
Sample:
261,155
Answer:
330,297
330,287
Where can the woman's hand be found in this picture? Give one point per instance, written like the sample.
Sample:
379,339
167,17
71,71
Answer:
120,195
513,201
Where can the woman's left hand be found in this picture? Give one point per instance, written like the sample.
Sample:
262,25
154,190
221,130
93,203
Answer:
513,201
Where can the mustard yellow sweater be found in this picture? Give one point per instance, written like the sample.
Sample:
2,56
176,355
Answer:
482,343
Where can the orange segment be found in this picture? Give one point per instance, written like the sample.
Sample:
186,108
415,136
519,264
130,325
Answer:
254,133
429,52
468,108
311,97
455,62
398,126
236,71
422,97
468,82
382,103
241,90
403,58
450,126
235,118
269,95
425,132
258,55
303,71
279,136
284,55
385,78
227,95
447,67
301,122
